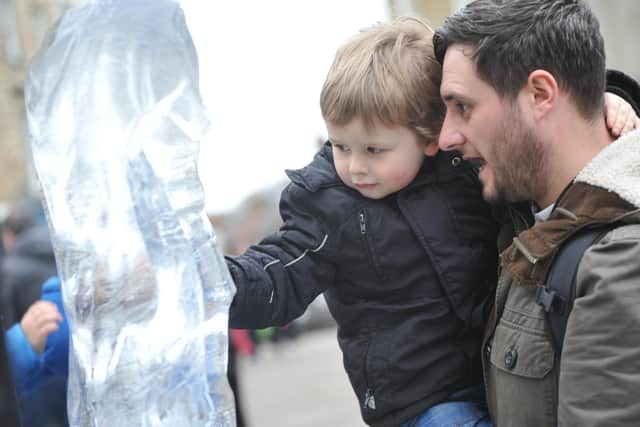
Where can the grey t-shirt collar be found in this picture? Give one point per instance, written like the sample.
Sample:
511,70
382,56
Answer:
543,214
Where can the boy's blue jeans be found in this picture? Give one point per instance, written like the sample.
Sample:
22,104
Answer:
465,408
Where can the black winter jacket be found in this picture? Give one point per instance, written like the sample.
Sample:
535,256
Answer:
403,277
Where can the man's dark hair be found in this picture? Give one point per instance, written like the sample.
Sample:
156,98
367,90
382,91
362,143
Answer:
512,38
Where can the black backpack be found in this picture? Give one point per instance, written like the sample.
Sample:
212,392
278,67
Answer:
559,290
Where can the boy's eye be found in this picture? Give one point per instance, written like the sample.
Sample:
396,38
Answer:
374,150
341,147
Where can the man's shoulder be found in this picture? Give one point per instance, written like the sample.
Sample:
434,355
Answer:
612,259
622,238
626,231
599,341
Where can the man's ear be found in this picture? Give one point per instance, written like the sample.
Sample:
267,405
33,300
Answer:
431,148
541,92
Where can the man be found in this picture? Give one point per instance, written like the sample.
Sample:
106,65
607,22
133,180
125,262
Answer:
523,81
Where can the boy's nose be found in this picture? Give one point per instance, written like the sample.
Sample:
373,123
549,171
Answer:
357,166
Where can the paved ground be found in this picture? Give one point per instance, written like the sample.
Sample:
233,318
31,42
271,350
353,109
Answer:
298,383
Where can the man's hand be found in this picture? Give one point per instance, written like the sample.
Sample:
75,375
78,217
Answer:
619,115
38,322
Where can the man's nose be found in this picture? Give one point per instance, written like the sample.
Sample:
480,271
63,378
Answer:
450,136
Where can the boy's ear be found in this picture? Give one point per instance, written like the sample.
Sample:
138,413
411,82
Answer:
431,148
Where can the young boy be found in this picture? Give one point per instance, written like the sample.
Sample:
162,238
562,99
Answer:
394,233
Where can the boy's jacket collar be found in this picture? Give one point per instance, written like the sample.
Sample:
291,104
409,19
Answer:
320,173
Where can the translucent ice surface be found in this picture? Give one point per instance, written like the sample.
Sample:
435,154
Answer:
115,118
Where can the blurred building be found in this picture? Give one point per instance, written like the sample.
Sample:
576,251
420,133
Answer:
618,23
23,25
619,26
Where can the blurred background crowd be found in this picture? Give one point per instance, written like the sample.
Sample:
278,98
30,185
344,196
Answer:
276,371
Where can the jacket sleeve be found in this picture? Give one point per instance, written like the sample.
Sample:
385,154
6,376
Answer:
278,278
30,370
56,351
625,87
26,365
600,364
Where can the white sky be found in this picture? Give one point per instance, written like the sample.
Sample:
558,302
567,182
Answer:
262,65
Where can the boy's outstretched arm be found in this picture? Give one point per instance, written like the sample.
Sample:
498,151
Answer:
279,277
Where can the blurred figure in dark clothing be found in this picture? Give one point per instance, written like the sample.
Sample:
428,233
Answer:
7,411
28,262
1,251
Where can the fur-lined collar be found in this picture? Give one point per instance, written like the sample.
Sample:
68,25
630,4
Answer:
617,168
606,190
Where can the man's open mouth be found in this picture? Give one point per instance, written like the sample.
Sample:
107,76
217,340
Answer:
477,163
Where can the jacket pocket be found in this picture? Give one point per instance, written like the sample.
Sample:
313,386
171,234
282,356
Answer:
521,353
362,366
521,379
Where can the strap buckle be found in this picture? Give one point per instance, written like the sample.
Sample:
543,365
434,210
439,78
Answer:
550,300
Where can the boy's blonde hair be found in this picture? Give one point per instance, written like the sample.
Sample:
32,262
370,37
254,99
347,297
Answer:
387,72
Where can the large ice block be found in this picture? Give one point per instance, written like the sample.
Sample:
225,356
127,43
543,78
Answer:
115,119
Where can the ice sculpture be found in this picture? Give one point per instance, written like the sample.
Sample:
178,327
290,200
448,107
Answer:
115,118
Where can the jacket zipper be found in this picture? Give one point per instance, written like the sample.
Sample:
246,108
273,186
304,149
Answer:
362,218
369,399
363,232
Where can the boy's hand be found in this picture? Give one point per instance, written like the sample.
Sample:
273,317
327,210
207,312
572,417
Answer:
38,322
619,115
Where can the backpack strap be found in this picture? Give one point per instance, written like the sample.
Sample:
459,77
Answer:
558,292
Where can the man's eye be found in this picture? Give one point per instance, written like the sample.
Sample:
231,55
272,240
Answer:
374,150
463,108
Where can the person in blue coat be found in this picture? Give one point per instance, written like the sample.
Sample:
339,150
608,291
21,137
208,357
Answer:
38,347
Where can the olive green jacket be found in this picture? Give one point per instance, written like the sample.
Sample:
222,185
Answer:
596,379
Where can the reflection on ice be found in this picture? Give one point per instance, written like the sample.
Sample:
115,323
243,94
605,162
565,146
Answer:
115,118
